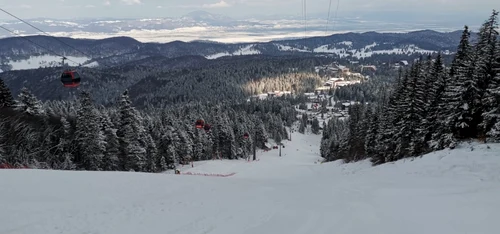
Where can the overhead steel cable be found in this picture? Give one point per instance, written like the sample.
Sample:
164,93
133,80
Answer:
304,14
27,39
328,17
305,18
334,17
55,38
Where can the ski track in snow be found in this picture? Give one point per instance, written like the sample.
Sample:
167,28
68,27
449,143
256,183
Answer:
444,192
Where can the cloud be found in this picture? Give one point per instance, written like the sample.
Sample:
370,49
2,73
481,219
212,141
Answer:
220,4
159,7
132,2
240,9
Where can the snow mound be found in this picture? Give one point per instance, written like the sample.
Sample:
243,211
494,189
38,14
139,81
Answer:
473,162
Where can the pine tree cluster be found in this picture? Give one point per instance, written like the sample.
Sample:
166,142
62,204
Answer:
84,136
432,106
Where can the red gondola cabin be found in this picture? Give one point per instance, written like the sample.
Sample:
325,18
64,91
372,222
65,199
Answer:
70,79
207,127
200,124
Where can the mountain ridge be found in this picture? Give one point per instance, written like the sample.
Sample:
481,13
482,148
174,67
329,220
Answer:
120,50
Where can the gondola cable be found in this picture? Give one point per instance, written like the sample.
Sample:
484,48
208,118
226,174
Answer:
334,17
55,38
69,78
27,39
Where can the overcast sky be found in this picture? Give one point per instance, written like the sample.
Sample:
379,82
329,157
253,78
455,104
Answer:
236,8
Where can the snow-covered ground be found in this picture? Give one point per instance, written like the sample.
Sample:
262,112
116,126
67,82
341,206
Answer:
447,192
35,62
368,51
247,50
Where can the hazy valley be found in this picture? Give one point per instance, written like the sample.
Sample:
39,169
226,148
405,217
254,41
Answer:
202,25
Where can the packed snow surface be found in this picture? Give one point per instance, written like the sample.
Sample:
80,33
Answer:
447,192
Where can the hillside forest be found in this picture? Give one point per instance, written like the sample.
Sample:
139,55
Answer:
431,107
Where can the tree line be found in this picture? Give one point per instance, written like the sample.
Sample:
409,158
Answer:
81,135
431,107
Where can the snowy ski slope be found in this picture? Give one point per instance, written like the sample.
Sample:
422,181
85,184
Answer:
447,192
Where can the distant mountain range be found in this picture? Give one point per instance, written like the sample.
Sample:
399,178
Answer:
202,25
177,71
16,53
196,18
114,25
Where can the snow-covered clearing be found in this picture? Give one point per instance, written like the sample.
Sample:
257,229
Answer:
447,192
247,50
368,51
35,62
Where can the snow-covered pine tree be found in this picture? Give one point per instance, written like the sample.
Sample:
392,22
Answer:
315,126
184,148
28,103
89,138
326,139
494,133
6,99
279,132
65,147
132,152
260,134
429,80
435,106
491,98
372,131
171,157
151,154
356,139
409,105
492,116
214,135
391,121
461,93
303,123
163,164
239,130
339,147
189,129
227,141
198,146
416,111
484,72
110,161
386,129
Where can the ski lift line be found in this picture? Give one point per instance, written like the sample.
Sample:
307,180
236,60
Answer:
328,17
305,19
335,16
302,12
304,15
45,32
25,38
